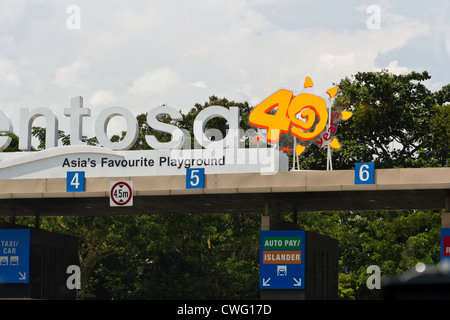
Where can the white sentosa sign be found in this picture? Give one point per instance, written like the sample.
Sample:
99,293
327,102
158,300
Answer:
77,112
112,159
102,162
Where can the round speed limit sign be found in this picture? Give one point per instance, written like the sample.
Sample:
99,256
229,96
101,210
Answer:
121,194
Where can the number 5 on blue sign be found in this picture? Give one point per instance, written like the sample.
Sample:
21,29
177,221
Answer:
195,178
75,181
365,173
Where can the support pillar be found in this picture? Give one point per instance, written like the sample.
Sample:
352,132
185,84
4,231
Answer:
445,218
37,220
294,215
266,207
13,216
275,223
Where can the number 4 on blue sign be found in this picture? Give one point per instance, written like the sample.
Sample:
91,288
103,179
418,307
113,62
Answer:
195,178
75,181
365,173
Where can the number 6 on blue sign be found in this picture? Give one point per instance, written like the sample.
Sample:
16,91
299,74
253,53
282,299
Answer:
195,178
365,173
75,181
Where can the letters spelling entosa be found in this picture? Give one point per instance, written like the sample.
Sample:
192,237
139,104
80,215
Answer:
77,112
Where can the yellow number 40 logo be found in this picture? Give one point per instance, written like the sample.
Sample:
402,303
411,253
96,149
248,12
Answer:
304,116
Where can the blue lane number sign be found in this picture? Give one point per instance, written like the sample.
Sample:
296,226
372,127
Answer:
75,181
14,255
195,178
365,173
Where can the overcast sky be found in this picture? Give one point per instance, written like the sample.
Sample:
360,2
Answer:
140,54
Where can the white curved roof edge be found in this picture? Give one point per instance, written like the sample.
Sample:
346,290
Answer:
27,157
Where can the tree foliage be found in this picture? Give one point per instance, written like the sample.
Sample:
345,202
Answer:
396,120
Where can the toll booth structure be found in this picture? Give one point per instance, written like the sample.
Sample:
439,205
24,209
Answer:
49,256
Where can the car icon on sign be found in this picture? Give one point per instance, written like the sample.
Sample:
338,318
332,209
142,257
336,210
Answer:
281,271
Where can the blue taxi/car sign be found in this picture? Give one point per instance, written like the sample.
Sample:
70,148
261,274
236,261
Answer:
14,255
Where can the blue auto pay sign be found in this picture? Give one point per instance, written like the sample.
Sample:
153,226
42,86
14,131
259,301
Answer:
282,260
14,255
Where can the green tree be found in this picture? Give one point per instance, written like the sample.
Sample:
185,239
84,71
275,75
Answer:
439,134
393,119
40,133
393,240
14,144
183,257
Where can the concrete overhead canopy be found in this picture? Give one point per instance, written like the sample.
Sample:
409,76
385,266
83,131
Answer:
394,189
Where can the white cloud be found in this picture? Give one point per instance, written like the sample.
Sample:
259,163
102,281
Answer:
343,62
102,98
393,67
158,81
8,73
11,10
199,84
74,74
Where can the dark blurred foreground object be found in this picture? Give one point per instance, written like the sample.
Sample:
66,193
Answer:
422,283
